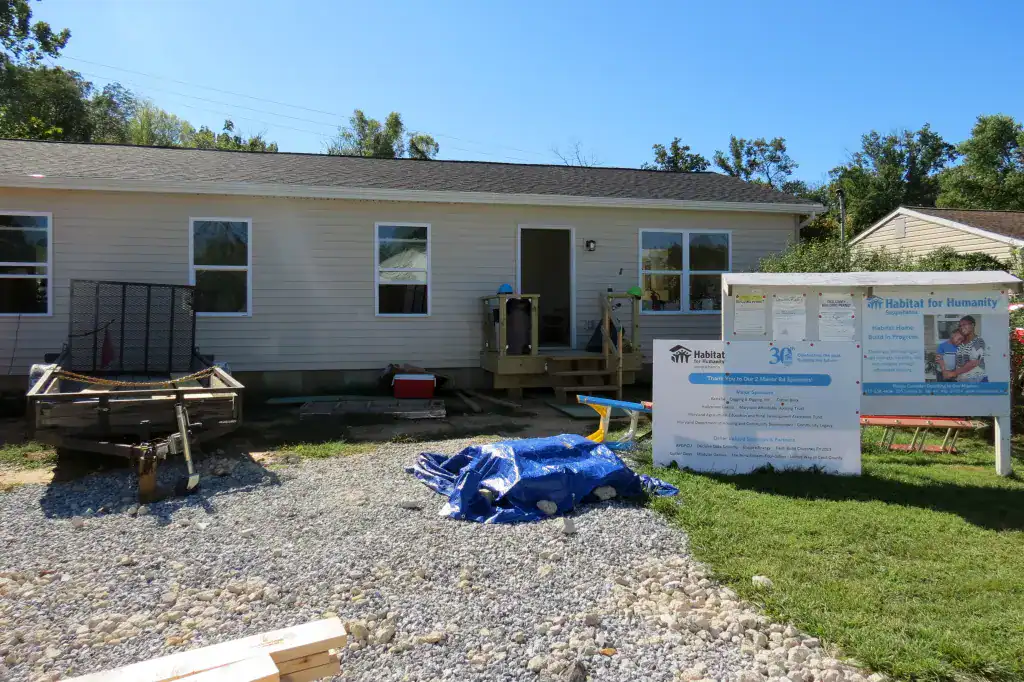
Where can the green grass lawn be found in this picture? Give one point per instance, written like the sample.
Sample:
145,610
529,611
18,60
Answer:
331,448
915,568
28,455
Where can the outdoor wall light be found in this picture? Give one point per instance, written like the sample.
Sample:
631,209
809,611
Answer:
591,244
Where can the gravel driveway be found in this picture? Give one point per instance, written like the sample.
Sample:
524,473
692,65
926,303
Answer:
89,582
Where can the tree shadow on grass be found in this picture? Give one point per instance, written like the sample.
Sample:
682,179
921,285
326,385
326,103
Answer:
994,508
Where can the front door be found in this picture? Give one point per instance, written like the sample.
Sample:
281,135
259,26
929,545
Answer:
545,268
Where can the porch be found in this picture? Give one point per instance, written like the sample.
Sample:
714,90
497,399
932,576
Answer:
512,354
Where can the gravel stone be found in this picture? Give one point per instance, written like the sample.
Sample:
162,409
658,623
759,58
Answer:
548,507
427,599
762,581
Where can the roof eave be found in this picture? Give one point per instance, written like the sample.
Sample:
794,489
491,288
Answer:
376,194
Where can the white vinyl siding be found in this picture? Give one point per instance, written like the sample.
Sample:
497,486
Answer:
312,281
26,261
921,236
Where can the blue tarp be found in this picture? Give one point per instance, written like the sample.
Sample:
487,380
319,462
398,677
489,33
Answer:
520,473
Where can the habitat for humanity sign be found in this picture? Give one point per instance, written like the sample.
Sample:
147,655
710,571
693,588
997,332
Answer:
742,405
940,354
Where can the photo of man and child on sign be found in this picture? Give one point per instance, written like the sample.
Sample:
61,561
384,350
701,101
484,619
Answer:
961,357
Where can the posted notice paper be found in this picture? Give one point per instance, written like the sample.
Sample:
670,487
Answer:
749,315
745,405
837,317
789,317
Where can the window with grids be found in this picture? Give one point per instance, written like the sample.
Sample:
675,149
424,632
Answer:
222,265
681,270
25,249
402,255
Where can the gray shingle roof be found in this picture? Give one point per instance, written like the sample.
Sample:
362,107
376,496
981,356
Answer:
1008,223
22,158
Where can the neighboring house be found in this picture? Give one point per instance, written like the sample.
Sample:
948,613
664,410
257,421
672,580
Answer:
917,230
311,263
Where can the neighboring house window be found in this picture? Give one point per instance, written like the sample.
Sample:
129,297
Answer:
402,268
681,270
899,227
221,251
26,247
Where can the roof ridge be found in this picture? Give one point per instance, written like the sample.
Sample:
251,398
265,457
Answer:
962,210
123,145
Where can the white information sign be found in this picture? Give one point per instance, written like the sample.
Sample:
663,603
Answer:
740,406
936,354
750,314
837,319
789,317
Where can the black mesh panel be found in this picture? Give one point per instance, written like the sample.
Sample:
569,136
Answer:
130,327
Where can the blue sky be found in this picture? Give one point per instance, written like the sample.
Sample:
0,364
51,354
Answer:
507,81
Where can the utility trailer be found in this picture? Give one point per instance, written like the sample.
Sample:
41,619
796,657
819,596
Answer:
129,381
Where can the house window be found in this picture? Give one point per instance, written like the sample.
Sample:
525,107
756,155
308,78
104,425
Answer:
26,247
222,265
681,270
402,269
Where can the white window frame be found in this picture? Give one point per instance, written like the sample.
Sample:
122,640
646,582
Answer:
247,267
376,269
684,274
49,261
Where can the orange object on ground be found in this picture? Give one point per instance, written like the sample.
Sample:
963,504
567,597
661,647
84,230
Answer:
921,426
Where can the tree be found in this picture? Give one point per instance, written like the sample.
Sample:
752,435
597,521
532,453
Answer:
677,158
763,161
151,126
901,168
389,140
992,173
575,156
205,138
44,103
21,41
111,111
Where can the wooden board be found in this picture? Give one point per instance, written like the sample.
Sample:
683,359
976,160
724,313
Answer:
255,669
312,661
281,645
310,674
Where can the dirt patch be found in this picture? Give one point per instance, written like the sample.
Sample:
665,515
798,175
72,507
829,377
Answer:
272,435
12,479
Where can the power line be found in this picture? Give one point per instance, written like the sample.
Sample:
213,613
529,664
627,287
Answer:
274,123
286,104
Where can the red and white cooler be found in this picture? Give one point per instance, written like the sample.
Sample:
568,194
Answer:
414,385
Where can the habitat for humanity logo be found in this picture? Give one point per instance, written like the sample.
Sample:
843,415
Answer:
709,357
680,353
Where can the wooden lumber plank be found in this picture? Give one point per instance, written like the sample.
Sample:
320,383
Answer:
294,665
281,645
311,674
496,401
470,403
256,669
